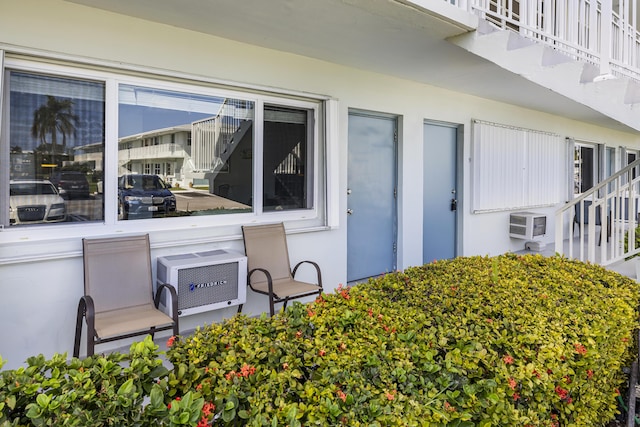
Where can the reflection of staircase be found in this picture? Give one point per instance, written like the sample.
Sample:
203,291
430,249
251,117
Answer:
228,144
213,139
615,96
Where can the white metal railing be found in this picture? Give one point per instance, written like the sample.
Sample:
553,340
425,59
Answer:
212,138
605,218
588,30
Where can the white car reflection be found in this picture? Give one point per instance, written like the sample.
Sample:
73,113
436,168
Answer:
35,201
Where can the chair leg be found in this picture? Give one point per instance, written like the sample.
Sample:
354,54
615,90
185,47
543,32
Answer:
272,309
91,334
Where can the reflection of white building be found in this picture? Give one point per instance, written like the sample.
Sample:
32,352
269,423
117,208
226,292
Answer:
163,152
184,153
90,154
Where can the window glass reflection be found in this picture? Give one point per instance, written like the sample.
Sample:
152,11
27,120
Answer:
193,150
286,149
56,149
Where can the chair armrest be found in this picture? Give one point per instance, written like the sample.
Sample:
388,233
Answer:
313,264
87,308
172,292
266,273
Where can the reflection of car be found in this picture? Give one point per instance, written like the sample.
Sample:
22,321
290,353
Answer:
35,201
144,196
71,184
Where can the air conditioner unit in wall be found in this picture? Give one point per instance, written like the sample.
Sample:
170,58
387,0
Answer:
527,225
204,281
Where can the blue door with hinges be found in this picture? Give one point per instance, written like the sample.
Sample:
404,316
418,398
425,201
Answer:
371,195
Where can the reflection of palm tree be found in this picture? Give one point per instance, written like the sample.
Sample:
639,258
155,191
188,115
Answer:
53,117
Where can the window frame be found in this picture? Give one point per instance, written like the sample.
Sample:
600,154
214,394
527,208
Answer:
311,218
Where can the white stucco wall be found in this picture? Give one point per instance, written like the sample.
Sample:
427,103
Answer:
38,297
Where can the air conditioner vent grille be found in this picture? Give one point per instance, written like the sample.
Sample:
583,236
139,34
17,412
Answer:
206,285
204,281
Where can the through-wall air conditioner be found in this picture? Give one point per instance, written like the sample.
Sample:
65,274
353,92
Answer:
527,225
204,281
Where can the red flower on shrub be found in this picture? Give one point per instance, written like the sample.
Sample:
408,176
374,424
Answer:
322,352
247,370
507,359
580,349
448,407
390,395
344,291
516,396
512,384
171,340
299,334
230,375
589,373
341,395
370,312
561,392
208,408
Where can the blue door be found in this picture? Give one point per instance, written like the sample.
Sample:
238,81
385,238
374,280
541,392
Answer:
440,201
371,196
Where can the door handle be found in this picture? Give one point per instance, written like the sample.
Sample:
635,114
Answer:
349,211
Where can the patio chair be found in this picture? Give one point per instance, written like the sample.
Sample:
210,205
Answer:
269,267
118,292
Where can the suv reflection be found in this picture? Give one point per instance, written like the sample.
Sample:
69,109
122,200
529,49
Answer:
71,184
144,196
35,202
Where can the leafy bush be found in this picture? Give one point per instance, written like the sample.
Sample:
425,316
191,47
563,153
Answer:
113,390
504,341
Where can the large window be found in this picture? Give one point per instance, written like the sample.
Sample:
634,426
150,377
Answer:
106,148
56,149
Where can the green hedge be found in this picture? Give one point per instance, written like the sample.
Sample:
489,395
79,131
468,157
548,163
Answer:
113,390
504,341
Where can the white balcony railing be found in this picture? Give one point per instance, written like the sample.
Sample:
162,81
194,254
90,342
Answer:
600,225
161,151
600,32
